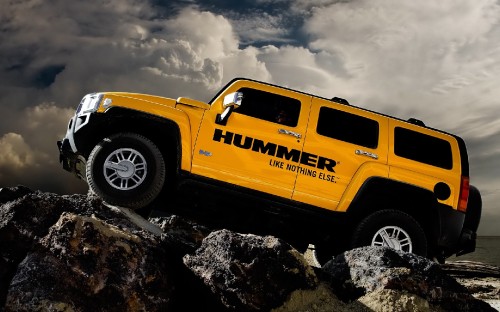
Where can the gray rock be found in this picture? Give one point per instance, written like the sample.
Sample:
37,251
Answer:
180,233
26,219
12,193
363,270
85,264
64,253
250,272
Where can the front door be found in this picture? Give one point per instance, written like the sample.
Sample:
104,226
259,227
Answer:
261,138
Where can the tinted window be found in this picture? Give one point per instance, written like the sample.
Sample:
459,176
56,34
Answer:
348,127
422,148
269,106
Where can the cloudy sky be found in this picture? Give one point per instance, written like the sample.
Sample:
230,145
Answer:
438,61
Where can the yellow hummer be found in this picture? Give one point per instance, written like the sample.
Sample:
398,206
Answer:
267,159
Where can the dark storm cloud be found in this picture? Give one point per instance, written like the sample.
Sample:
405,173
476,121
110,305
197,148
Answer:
52,53
257,23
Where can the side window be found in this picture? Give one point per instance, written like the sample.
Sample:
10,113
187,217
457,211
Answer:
422,148
348,127
270,107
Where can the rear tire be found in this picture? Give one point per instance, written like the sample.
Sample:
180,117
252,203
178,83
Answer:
391,228
126,169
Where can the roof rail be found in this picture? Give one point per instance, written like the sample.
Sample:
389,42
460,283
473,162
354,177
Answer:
416,121
340,100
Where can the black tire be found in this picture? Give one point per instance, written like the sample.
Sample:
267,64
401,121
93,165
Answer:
127,170
405,232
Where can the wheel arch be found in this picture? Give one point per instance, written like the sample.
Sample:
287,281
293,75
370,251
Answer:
381,193
164,132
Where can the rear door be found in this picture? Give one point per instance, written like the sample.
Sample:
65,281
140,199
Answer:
341,139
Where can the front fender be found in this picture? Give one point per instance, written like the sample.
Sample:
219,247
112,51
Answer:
164,110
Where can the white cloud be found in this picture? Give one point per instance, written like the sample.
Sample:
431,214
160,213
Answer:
14,152
212,35
29,156
260,27
409,52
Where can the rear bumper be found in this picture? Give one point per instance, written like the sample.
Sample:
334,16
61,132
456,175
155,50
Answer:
458,229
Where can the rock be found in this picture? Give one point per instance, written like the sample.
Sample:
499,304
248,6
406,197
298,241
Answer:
26,219
75,253
85,264
181,234
465,268
12,193
320,299
389,300
249,272
363,270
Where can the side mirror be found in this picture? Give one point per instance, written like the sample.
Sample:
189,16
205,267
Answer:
231,102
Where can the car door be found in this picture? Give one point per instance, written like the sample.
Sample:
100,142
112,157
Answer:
254,144
346,138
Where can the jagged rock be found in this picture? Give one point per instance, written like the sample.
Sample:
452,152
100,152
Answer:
180,233
22,221
27,218
85,264
250,272
363,270
320,299
181,236
64,253
11,193
389,300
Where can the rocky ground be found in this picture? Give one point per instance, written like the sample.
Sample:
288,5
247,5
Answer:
482,280
74,253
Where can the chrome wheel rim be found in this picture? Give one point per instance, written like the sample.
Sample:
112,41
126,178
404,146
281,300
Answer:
393,237
125,169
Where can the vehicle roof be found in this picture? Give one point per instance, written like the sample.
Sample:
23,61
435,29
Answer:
337,100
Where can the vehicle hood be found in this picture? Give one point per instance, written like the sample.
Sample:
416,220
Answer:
132,97
153,99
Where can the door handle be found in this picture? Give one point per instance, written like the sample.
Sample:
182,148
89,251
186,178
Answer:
288,132
365,153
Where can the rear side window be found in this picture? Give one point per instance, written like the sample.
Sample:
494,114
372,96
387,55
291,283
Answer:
422,148
348,127
270,107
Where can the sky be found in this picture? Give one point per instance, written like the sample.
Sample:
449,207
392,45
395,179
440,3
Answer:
438,61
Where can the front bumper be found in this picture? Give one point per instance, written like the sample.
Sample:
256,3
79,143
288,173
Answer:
73,145
70,160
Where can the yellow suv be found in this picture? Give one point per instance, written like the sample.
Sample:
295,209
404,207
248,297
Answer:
269,159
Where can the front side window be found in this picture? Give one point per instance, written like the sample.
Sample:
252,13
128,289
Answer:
422,148
348,127
270,107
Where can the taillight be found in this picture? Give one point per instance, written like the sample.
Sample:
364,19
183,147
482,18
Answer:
464,194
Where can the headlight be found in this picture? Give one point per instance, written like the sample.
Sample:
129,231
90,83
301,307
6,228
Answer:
90,103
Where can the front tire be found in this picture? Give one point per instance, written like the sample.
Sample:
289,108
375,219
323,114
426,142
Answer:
126,169
391,228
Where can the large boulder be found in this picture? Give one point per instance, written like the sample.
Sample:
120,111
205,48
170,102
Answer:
250,272
365,270
85,264
26,216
